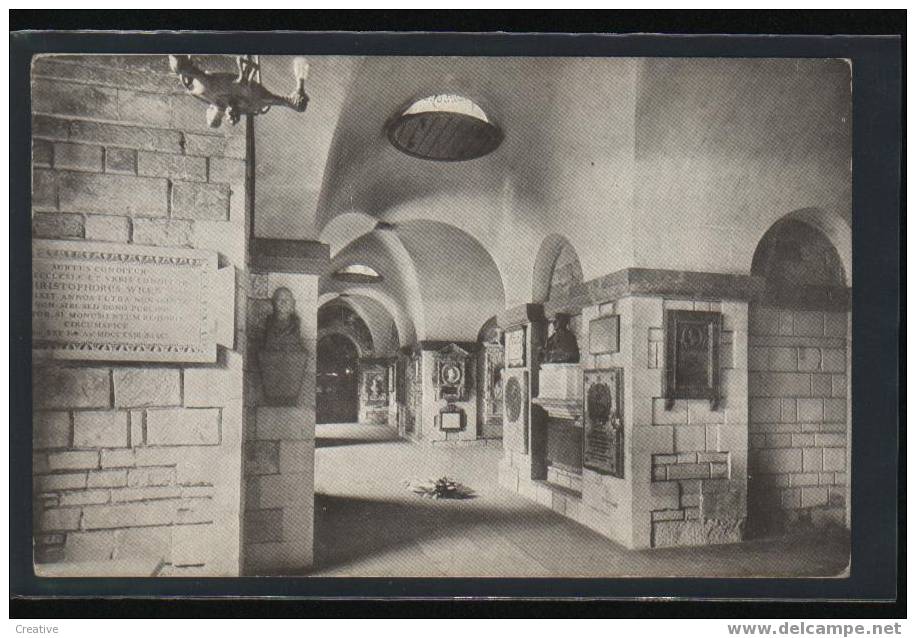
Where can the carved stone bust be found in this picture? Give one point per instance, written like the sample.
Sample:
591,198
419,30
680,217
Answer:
282,356
562,346
281,332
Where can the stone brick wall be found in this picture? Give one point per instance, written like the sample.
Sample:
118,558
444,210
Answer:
684,477
798,387
689,462
137,461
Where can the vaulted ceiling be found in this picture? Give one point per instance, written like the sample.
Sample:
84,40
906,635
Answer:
603,155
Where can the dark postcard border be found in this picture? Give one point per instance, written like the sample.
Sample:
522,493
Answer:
877,135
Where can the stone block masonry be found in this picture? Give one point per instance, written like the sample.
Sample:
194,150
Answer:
137,461
103,152
798,417
684,471
689,460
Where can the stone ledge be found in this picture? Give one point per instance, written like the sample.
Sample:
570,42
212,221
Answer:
299,256
682,283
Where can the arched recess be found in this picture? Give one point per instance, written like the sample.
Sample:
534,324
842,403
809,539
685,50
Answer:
833,228
398,291
556,268
402,322
381,324
799,263
338,317
798,373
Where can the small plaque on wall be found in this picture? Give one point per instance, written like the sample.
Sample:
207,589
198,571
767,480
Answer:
692,356
375,385
515,348
451,420
603,440
604,335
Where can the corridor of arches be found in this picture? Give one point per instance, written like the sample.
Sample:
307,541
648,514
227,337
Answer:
606,300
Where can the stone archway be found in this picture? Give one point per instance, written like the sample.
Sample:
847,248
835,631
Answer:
798,379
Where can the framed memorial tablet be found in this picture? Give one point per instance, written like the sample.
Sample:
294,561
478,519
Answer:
692,356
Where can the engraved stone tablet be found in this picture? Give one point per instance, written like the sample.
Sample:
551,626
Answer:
515,348
122,303
603,441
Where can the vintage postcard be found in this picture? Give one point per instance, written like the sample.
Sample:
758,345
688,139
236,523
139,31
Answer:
439,316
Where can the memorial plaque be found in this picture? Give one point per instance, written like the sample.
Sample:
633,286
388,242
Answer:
101,301
493,363
692,356
515,348
603,440
604,335
516,410
451,420
375,385
451,373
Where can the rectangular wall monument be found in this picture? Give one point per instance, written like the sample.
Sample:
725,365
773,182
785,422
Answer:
99,301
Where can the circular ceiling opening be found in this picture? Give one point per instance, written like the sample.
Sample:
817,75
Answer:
445,128
357,274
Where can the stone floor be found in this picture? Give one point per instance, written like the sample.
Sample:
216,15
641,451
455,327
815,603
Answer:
369,524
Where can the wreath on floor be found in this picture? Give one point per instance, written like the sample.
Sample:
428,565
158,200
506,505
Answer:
443,487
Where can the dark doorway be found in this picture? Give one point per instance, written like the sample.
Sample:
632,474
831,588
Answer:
337,388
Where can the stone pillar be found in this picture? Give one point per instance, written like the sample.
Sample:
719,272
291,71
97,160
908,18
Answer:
137,465
687,463
524,333
799,416
280,441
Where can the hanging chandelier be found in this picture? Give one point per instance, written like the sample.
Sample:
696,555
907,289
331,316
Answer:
232,95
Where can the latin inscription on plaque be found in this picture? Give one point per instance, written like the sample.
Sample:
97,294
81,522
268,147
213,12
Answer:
122,303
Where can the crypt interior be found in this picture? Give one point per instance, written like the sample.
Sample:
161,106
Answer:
471,316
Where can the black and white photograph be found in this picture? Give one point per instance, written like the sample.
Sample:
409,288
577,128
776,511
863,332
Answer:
327,316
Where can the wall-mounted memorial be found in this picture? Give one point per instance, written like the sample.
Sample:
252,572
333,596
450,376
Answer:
603,409
604,335
100,301
282,356
515,348
375,384
493,381
692,356
561,346
516,409
451,372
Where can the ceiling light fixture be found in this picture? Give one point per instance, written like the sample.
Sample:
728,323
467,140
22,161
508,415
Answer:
445,127
358,273
236,94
